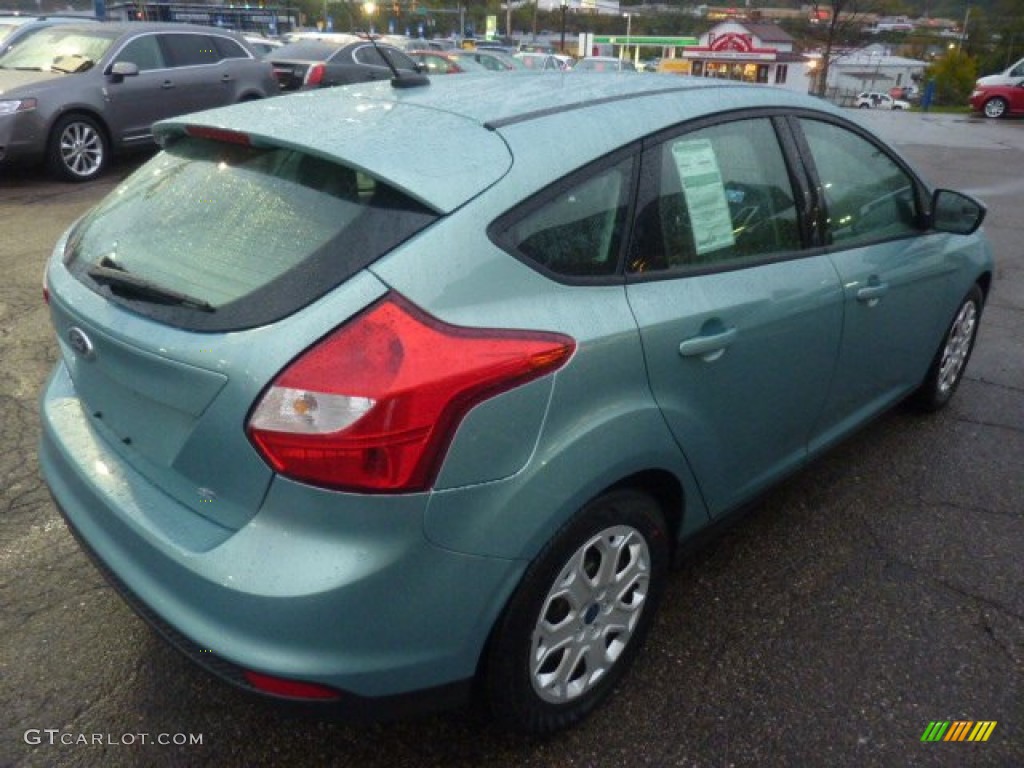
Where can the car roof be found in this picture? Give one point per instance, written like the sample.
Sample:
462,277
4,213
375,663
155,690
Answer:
19,19
117,28
445,143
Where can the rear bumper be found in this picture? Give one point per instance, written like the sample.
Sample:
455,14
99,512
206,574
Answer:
348,705
318,587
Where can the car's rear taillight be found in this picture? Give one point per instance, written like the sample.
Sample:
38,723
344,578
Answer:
373,406
314,75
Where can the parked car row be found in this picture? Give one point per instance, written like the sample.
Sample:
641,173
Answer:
73,94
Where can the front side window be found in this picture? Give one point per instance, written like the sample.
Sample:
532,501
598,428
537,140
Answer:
576,231
719,196
248,235
144,52
867,194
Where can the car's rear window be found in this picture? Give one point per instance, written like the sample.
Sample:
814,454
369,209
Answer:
307,50
248,235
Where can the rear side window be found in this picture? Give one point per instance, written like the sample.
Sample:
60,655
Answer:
575,230
248,235
229,49
716,197
188,50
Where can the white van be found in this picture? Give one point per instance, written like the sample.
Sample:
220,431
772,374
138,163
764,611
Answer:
1008,77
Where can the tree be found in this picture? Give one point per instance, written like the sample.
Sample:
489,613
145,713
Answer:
844,25
954,74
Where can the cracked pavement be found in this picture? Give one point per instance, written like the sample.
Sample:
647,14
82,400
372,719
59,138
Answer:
877,590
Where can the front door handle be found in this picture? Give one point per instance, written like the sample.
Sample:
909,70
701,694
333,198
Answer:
872,292
709,346
167,85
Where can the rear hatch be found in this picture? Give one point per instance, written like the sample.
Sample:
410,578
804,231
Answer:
186,290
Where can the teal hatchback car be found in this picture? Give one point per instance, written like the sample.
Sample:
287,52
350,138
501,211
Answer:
380,397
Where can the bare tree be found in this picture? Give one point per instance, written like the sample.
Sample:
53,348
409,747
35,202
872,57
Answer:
844,24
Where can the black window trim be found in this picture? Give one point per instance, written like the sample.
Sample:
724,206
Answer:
498,229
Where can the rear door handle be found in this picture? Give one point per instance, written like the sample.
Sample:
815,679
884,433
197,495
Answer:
710,346
226,78
167,85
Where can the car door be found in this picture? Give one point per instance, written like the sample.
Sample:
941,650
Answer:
201,78
135,102
740,325
1016,94
896,279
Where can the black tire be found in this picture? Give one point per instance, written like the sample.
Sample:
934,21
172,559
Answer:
951,358
541,690
78,148
995,107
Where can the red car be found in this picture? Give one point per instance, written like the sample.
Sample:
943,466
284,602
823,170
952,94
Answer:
999,100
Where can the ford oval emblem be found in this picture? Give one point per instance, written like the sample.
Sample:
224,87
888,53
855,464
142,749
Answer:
81,343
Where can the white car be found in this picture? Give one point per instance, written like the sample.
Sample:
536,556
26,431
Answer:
875,100
1009,76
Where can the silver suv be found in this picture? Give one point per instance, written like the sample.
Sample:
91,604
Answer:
72,95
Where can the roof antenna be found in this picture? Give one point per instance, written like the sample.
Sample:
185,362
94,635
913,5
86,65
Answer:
411,80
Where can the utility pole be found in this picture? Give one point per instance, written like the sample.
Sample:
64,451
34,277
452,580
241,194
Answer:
963,32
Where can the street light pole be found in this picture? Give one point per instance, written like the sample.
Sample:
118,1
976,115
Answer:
963,32
629,28
564,7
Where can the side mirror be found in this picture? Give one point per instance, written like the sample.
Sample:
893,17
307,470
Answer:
122,69
955,212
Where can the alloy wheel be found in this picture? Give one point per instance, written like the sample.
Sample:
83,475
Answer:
81,149
590,614
995,108
958,346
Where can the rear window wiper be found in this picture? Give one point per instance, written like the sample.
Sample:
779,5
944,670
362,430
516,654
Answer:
123,282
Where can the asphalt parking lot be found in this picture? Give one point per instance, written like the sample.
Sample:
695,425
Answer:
877,591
